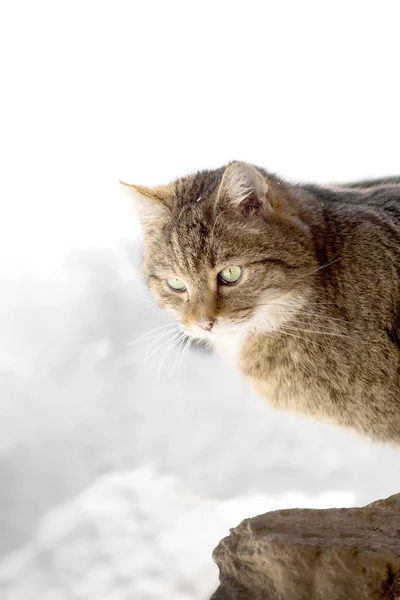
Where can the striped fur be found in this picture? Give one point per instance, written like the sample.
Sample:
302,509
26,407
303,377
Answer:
316,316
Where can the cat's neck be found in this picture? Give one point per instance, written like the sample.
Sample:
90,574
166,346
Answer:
228,346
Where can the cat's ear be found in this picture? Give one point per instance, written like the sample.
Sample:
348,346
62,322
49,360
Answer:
244,188
152,203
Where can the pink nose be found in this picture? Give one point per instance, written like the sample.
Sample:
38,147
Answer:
206,324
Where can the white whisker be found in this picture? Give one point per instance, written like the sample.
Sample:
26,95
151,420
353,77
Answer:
268,334
174,341
299,337
179,359
186,353
149,334
292,311
159,347
331,333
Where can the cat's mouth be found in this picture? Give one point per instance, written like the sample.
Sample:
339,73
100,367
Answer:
198,332
207,332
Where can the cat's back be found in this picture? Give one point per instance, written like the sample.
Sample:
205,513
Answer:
384,199
339,357
381,198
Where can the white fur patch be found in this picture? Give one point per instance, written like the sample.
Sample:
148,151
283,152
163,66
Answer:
275,312
269,317
228,345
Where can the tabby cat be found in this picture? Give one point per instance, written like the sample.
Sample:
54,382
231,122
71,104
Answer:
298,284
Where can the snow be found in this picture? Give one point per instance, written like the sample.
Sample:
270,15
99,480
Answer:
133,535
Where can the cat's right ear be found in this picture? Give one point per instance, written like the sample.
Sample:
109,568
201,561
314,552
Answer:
151,203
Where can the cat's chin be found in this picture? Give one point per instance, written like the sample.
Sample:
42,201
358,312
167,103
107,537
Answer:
198,333
210,336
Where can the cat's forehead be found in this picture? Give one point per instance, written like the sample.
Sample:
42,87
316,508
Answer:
190,237
195,238
197,187
190,229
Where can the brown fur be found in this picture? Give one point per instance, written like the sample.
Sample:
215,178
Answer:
323,263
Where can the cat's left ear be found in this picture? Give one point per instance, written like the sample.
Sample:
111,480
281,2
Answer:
244,187
151,203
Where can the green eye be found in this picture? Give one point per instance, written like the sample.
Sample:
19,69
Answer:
178,285
230,275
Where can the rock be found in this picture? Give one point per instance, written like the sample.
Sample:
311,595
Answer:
305,554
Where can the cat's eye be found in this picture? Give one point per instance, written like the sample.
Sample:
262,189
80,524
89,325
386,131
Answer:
230,275
178,285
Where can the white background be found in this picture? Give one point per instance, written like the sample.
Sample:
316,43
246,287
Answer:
146,91
93,92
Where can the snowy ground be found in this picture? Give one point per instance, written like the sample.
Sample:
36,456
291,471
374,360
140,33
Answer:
133,536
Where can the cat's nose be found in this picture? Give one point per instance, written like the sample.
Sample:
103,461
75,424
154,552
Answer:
206,323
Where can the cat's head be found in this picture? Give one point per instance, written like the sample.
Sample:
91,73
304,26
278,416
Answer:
224,250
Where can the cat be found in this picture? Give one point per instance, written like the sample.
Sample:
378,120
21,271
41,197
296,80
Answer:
298,284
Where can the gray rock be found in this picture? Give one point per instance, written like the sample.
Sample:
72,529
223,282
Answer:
306,554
